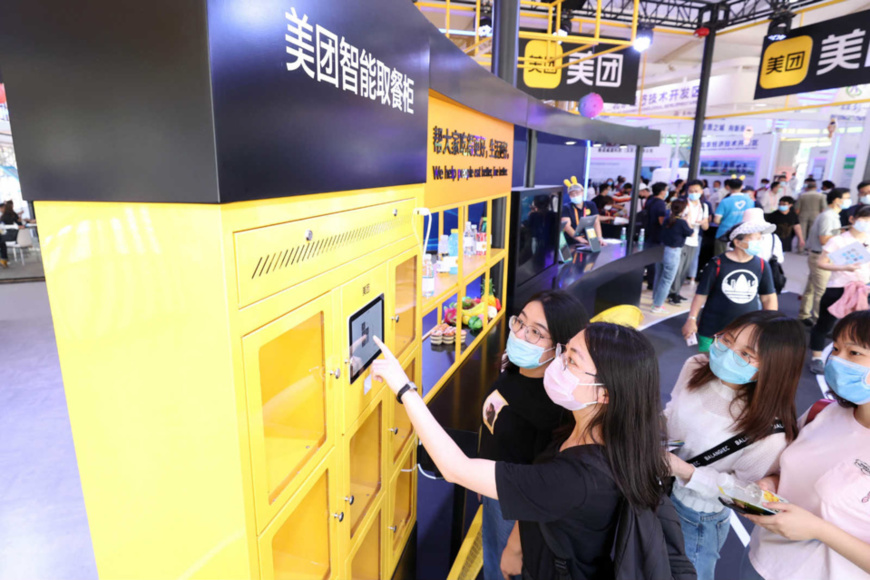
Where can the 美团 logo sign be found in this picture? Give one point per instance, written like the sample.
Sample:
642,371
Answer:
612,75
830,54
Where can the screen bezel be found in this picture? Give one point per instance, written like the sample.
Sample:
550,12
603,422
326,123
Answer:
350,321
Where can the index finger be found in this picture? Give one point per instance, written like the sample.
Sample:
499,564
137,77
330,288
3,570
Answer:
387,353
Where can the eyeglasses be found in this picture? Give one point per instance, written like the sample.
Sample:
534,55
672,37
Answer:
568,363
531,334
742,359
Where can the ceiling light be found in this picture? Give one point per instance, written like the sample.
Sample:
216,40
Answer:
643,38
780,26
570,142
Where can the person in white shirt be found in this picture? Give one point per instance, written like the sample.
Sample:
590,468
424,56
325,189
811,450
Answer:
824,532
743,390
769,198
771,247
698,218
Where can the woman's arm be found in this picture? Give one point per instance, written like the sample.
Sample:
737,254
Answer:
826,264
797,524
478,475
512,557
691,325
769,302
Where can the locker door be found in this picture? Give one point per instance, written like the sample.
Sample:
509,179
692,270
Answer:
290,374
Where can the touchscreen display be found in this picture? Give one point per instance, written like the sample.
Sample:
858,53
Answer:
365,324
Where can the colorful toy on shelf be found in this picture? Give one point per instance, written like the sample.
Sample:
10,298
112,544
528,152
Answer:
450,315
478,309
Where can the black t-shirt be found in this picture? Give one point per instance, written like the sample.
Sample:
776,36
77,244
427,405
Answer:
655,208
733,292
572,495
10,219
518,419
675,236
573,212
784,222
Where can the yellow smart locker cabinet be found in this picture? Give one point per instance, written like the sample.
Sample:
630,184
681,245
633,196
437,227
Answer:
216,366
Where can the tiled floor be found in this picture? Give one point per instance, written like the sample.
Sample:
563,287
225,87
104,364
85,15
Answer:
43,525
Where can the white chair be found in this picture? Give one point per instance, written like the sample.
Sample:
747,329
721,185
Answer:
23,242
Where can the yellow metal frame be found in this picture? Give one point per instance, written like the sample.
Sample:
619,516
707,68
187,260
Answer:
492,259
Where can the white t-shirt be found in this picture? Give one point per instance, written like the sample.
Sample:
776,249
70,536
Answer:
840,279
697,213
771,245
821,471
704,418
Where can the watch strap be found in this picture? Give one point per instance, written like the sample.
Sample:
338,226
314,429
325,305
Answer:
408,387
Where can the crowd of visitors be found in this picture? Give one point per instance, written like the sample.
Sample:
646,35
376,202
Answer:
581,471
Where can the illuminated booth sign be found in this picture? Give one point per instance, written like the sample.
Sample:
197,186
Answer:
612,75
335,107
830,54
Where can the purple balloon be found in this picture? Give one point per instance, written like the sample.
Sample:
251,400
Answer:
591,105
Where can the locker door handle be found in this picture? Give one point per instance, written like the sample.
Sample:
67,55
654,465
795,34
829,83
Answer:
336,373
393,529
339,516
395,318
394,430
350,500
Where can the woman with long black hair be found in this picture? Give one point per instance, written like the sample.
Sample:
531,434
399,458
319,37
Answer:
607,376
734,410
519,419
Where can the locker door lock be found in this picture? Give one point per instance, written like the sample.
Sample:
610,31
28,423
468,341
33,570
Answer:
309,235
339,516
349,500
393,529
336,373
394,430
395,318
395,212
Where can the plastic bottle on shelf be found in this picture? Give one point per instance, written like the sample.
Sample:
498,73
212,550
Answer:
443,245
467,241
641,238
428,277
622,237
474,249
481,243
453,244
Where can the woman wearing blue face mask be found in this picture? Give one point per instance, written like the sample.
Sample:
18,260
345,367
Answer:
824,532
842,275
518,417
734,410
733,283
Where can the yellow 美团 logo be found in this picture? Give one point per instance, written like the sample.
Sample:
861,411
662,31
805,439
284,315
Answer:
540,72
786,62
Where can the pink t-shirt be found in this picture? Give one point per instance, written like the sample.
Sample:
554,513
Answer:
826,470
840,279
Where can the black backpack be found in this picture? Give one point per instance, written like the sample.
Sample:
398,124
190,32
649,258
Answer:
776,270
648,545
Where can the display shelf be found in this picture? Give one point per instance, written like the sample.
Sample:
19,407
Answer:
473,266
445,285
475,272
366,563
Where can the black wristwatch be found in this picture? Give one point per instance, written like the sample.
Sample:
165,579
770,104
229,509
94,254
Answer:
408,387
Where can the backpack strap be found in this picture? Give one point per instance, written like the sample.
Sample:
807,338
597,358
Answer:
718,265
817,408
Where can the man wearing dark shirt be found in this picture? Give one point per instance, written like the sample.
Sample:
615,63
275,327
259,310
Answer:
656,210
787,223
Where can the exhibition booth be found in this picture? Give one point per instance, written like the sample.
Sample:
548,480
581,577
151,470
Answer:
234,199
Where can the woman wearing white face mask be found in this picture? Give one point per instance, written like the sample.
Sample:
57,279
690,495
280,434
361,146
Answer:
607,376
824,533
734,410
519,419
733,283
842,276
